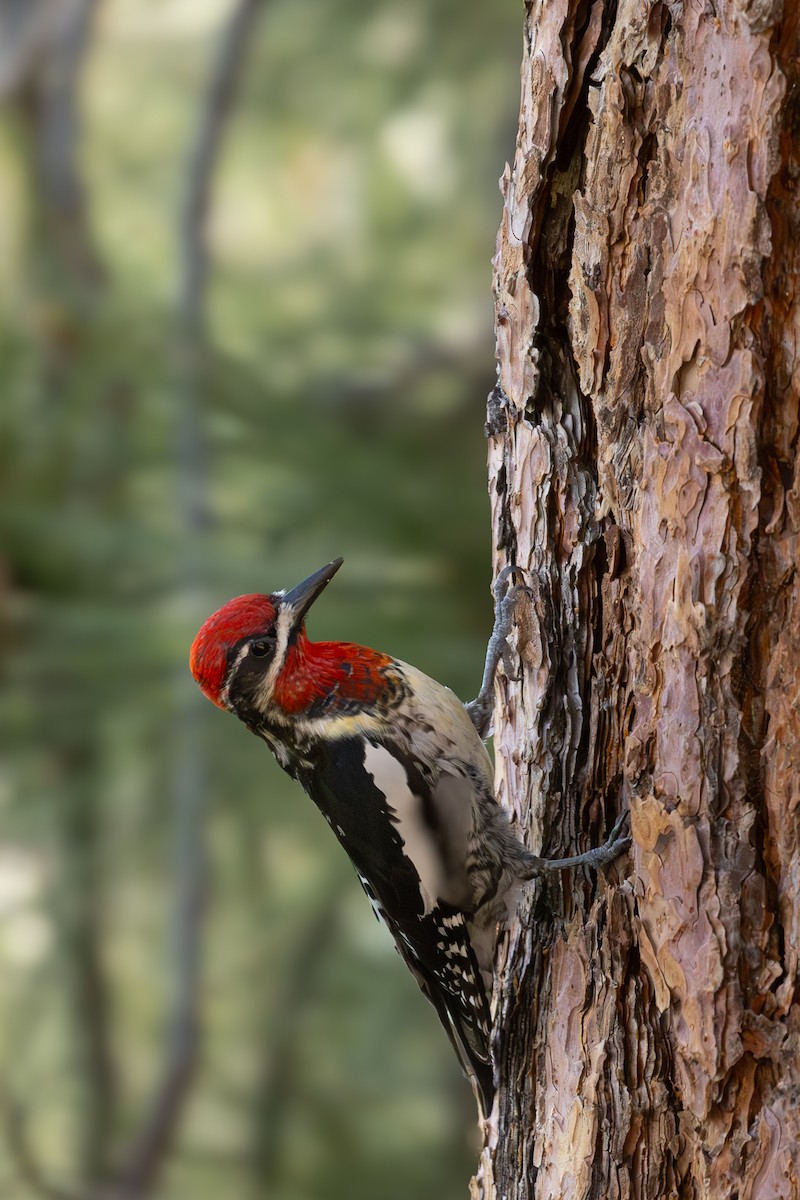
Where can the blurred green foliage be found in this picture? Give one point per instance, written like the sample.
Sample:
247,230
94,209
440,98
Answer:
340,411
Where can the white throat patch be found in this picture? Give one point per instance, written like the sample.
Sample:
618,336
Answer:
283,630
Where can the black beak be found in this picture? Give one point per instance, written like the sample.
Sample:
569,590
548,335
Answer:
300,598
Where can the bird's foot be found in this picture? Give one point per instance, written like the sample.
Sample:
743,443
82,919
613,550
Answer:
599,857
506,596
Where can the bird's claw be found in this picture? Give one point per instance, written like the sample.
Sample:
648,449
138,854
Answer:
502,592
505,600
614,844
598,858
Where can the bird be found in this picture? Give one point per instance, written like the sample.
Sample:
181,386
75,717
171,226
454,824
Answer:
398,767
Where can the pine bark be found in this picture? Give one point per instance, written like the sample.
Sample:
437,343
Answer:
645,475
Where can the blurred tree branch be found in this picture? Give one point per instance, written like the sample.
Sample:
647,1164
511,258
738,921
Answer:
193,259
15,1130
202,164
146,1157
280,1039
40,68
43,48
81,924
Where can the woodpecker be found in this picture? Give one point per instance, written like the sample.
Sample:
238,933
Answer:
397,766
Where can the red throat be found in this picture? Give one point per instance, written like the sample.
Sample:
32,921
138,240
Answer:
313,670
242,617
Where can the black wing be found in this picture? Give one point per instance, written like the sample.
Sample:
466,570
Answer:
432,938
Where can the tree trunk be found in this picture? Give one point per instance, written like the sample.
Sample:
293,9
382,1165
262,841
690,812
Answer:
645,474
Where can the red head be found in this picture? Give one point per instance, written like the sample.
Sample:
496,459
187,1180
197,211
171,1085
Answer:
253,655
214,649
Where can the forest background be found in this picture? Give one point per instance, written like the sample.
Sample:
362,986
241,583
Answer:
183,949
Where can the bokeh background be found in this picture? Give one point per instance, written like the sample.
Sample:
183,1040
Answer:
245,326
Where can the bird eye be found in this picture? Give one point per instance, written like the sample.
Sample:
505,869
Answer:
261,648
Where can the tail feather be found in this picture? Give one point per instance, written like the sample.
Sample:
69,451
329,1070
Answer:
474,1059
462,1006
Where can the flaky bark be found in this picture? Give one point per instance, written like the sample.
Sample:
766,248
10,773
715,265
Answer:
644,470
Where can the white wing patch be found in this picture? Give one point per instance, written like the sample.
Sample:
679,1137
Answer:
421,849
